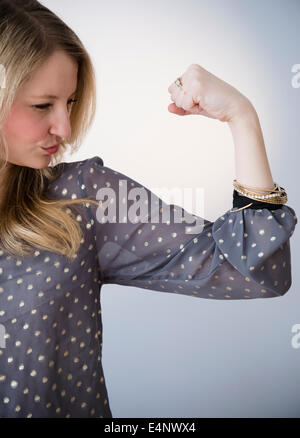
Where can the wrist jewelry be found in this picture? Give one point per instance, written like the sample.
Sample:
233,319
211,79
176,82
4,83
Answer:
275,196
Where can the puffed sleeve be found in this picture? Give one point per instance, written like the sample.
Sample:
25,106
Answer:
242,255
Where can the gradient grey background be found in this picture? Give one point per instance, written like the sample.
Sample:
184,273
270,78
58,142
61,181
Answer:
168,355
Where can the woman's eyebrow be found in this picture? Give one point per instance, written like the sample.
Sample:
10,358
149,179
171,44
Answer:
49,96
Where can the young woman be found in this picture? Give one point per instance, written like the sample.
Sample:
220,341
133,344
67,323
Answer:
57,244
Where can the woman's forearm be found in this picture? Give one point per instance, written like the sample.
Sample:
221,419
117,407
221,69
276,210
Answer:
251,162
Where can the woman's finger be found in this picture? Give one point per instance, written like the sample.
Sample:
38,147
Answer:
179,96
187,102
176,110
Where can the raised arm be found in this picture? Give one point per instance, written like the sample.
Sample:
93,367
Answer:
205,94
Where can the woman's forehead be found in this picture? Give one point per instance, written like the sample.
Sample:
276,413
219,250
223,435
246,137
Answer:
55,78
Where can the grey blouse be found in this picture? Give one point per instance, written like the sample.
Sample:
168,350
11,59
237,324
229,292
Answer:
50,312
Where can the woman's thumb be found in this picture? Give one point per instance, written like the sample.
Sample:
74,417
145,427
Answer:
175,110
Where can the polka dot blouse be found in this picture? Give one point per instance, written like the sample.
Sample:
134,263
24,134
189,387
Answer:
50,313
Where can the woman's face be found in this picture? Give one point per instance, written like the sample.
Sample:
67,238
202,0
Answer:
38,121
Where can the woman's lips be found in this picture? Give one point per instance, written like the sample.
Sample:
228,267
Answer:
52,149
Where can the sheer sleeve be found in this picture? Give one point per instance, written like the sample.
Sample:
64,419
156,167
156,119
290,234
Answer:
242,255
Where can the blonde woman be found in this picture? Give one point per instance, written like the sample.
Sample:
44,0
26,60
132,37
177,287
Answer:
57,247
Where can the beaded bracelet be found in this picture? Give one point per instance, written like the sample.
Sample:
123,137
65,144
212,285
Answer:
243,201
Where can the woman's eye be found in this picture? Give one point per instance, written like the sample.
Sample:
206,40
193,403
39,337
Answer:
47,105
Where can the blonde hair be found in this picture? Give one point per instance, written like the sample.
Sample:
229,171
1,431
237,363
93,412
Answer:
30,33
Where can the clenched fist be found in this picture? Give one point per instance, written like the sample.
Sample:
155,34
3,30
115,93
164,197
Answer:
205,94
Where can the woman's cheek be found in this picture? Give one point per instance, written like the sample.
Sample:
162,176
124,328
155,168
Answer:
23,125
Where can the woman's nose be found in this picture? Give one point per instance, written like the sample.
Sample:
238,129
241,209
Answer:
61,126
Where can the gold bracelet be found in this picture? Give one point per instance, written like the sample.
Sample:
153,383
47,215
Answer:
277,190
242,208
275,200
255,188
276,196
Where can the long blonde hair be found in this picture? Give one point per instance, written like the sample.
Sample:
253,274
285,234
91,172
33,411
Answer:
30,33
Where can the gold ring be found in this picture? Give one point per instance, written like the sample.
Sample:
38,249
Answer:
178,82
